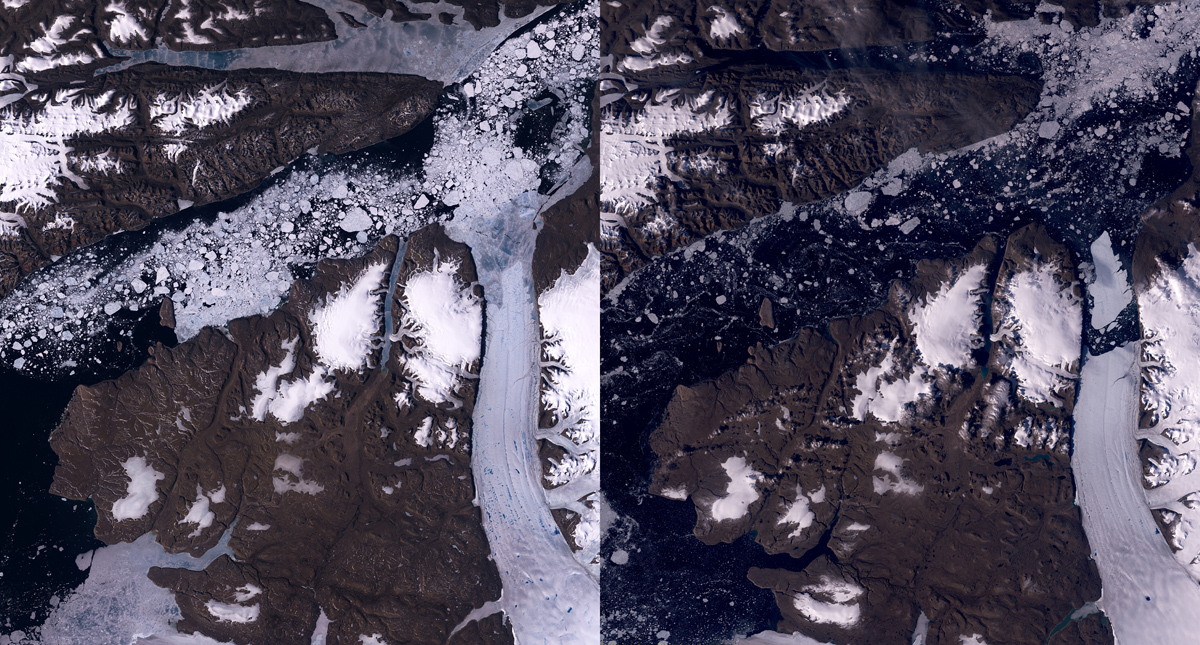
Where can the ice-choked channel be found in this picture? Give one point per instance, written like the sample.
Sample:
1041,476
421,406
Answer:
548,594
1146,593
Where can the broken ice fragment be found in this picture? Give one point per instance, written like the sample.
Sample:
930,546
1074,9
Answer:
356,219
112,308
138,285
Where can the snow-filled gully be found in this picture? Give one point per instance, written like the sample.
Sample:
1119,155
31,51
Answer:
548,594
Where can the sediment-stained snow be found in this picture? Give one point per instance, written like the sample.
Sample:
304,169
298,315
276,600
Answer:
740,493
348,324
444,318
1040,331
141,491
1110,292
946,323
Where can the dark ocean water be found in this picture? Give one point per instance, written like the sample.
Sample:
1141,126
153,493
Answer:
44,533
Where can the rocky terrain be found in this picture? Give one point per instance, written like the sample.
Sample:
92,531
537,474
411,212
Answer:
159,139
905,460
711,146
346,484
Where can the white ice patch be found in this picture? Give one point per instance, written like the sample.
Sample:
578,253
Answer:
199,513
141,491
373,639
773,112
633,148
1110,292
123,26
445,318
33,145
179,113
288,402
246,592
570,317
678,493
885,393
741,492
832,602
1041,324
724,25
347,325
893,480
321,631
946,323
291,464
973,639
799,514
47,45
653,38
265,382
228,613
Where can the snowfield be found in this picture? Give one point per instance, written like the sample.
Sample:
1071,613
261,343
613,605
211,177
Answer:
1039,330
946,323
444,318
1170,367
34,146
346,327
569,312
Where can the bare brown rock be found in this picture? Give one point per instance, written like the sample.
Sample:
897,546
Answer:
286,115
342,510
951,511
757,169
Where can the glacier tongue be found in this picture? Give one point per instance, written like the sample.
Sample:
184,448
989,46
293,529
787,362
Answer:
1146,593
548,594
